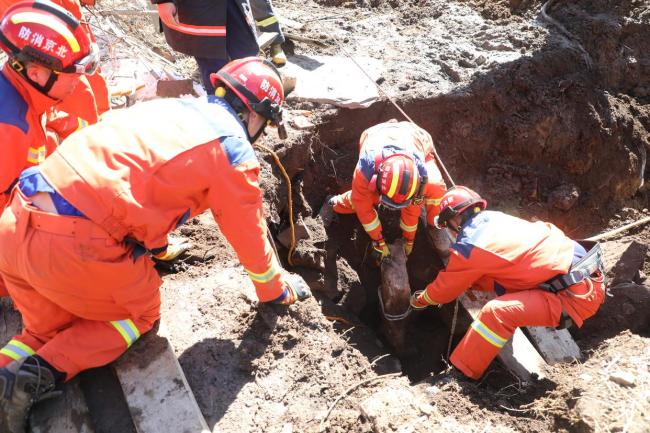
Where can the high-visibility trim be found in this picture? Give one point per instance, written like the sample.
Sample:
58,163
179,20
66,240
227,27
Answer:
33,17
189,29
266,276
81,123
36,155
426,297
372,224
432,201
17,350
267,22
407,228
489,335
394,180
127,330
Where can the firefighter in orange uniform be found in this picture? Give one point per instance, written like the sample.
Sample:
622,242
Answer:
105,201
396,169
541,277
48,55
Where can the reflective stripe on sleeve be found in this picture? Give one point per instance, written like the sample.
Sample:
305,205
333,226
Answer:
406,227
17,350
371,225
81,123
127,330
432,201
266,276
489,335
267,22
36,155
426,297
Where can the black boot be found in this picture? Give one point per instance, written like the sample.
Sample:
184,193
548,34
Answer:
23,383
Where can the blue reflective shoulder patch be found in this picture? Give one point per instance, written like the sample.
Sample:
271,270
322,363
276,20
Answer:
13,108
366,164
237,150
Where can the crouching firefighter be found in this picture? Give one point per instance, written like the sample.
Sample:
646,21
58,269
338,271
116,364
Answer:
115,190
541,277
397,169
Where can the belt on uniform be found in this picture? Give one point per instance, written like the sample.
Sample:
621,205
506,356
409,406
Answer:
54,223
590,264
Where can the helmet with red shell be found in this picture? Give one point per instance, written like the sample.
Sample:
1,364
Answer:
258,84
456,201
46,34
397,180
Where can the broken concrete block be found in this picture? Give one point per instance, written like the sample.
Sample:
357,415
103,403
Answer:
623,378
300,232
301,123
334,80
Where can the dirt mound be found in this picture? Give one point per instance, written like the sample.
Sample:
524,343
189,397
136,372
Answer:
503,9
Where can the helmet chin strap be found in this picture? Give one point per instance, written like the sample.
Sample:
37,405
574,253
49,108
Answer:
20,67
258,134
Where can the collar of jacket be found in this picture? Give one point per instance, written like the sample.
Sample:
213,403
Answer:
36,101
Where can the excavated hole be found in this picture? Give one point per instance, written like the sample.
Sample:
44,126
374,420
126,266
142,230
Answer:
322,163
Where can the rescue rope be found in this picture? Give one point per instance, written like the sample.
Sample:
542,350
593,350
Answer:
289,199
439,162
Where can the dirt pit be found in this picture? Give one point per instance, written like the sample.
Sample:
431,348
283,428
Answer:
548,117
547,114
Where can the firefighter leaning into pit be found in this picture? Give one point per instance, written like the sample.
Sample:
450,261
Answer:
396,169
49,53
541,277
104,201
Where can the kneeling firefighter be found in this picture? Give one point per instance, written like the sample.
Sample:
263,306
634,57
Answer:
105,203
541,277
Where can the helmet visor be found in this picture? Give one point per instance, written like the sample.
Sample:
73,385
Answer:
87,65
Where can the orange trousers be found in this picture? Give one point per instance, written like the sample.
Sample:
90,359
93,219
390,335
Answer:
82,298
498,319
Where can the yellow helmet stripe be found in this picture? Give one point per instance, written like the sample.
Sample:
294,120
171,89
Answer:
393,182
33,17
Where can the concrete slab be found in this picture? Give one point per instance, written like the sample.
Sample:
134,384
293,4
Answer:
518,355
334,80
554,345
158,395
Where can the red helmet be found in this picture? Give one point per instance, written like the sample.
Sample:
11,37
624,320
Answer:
46,34
257,83
397,180
456,201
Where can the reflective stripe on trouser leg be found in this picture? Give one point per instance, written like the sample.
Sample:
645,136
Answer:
497,321
90,343
17,350
127,330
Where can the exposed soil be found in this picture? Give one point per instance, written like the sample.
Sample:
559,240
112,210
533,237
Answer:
548,117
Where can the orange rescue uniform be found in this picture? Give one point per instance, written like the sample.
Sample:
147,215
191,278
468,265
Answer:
512,257
135,177
376,144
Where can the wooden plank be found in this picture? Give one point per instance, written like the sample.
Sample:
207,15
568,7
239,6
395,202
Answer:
518,355
156,390
266,38
554,345
67,413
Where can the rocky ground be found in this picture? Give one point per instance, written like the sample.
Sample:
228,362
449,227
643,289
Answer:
545,112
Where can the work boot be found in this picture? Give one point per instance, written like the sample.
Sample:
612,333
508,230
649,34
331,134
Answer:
22,383
277,55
